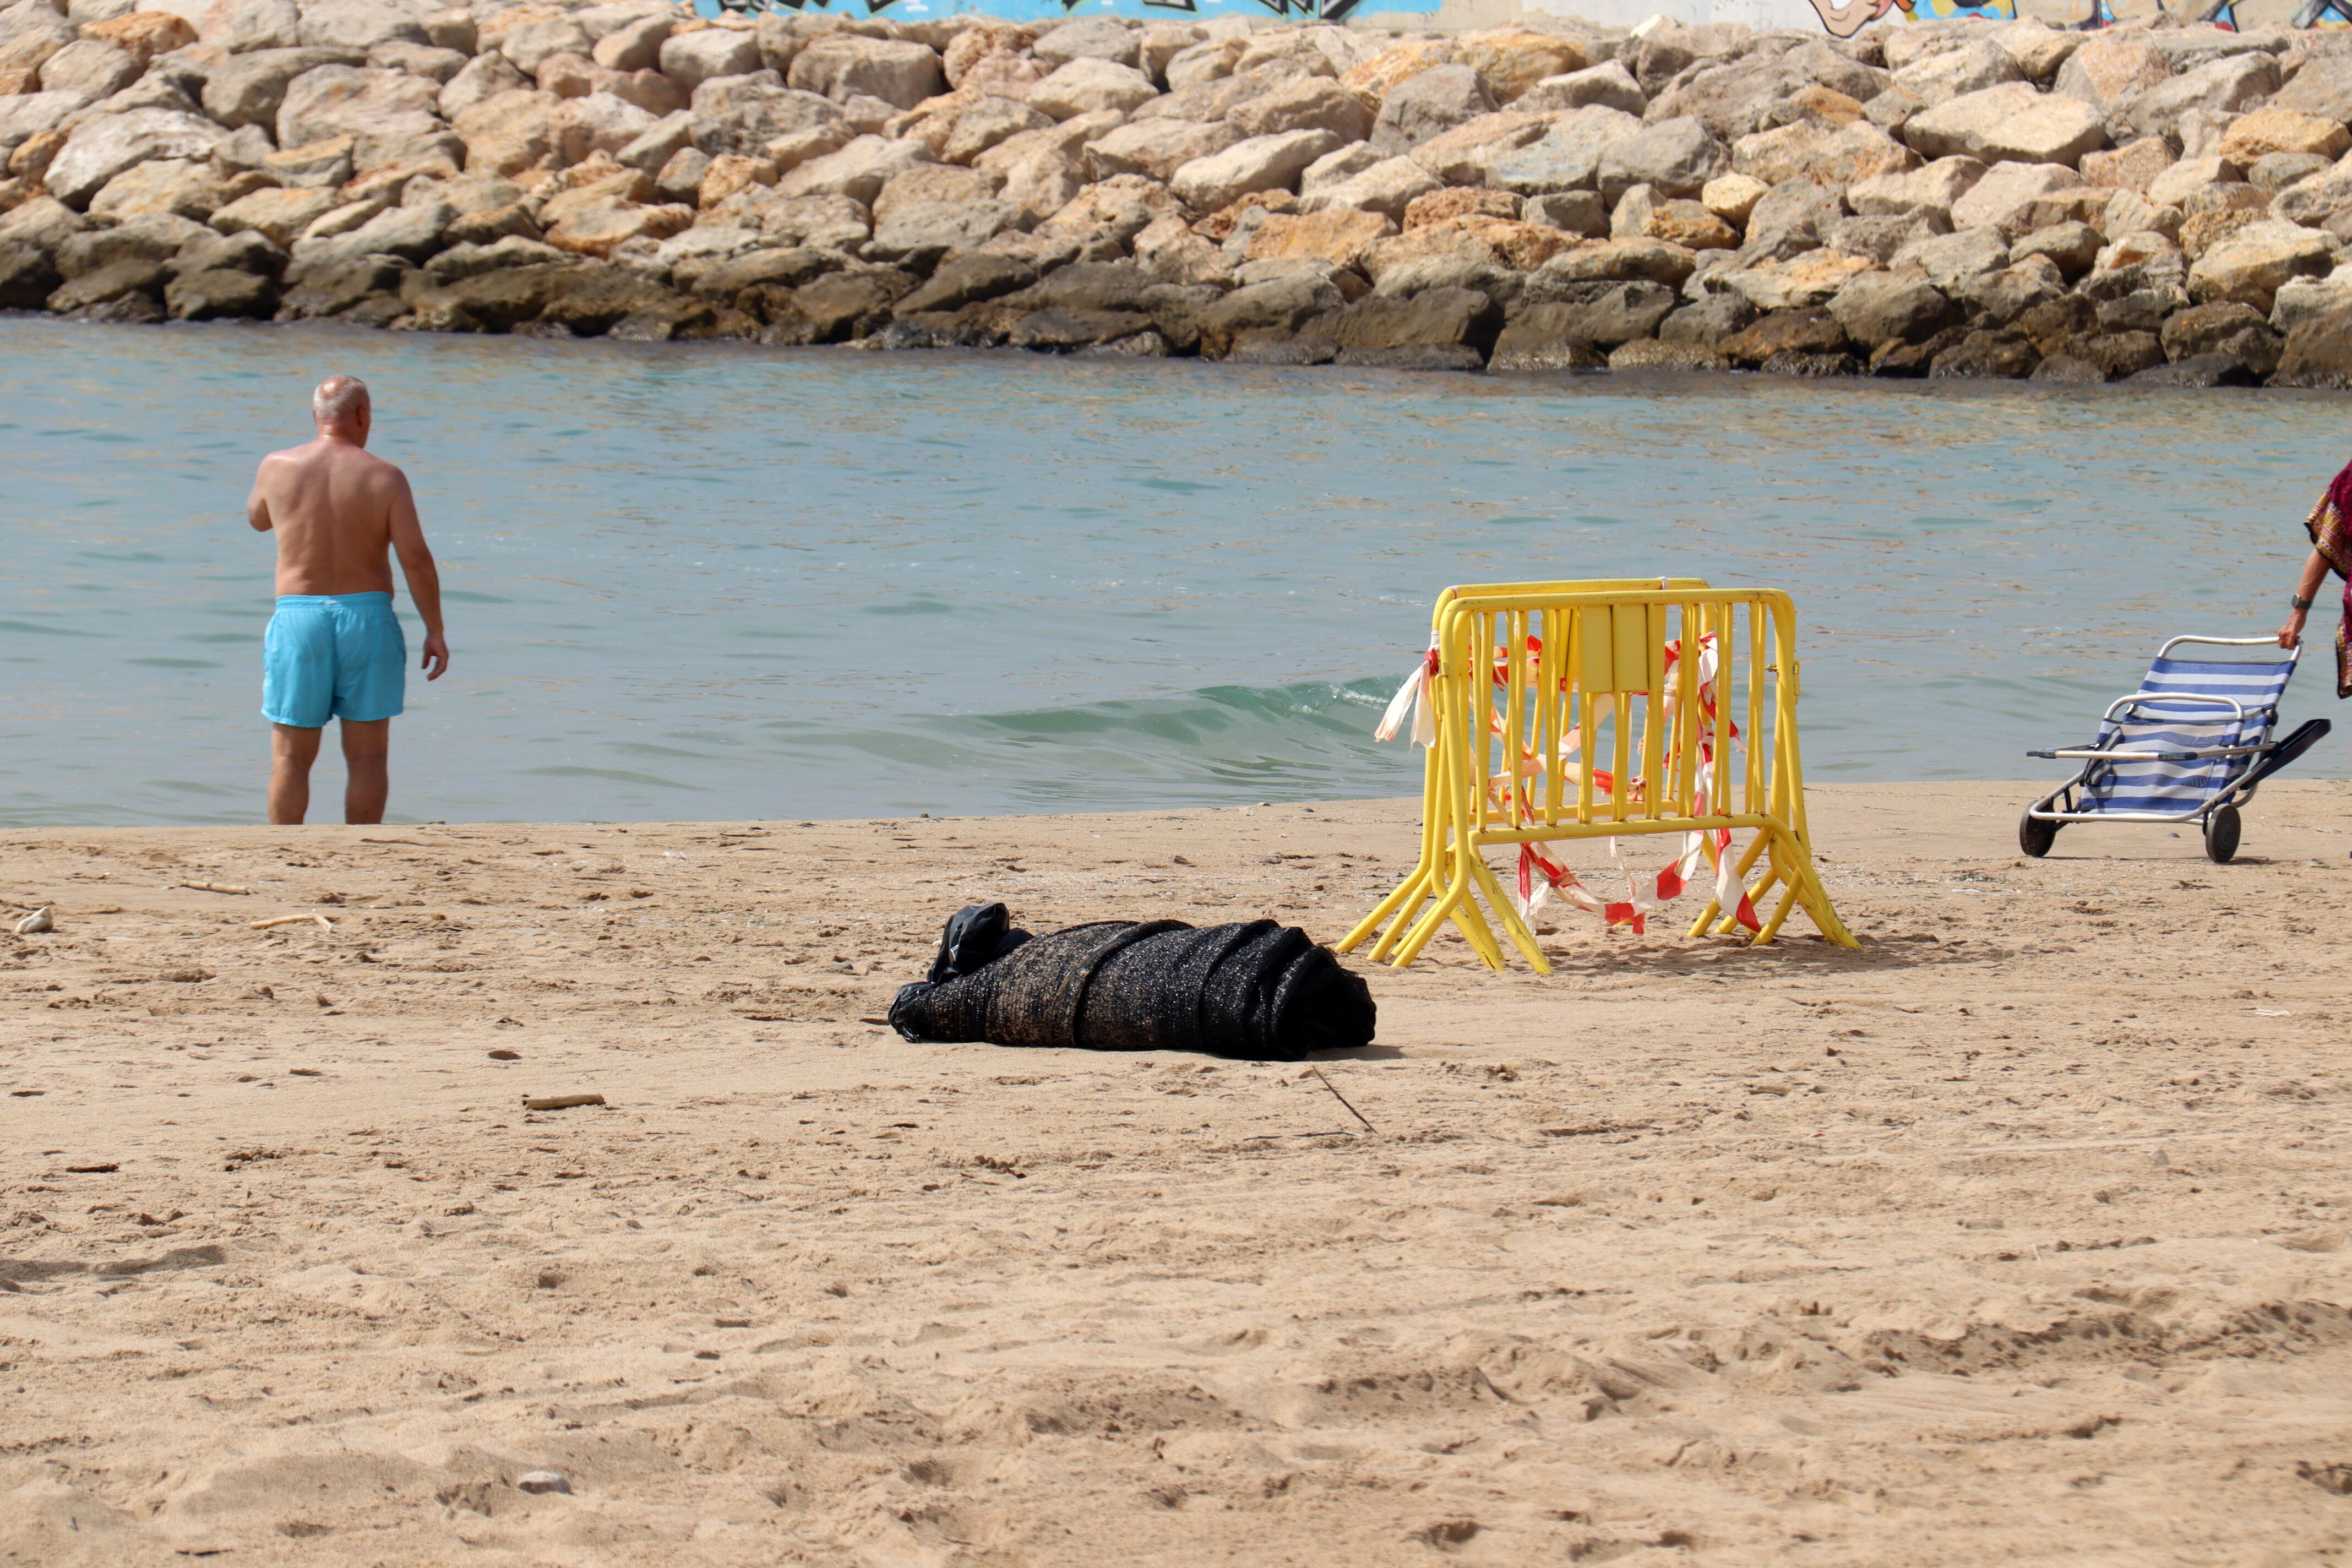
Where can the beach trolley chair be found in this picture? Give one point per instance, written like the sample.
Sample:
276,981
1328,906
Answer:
2189,746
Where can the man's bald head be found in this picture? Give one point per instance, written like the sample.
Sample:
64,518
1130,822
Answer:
341,402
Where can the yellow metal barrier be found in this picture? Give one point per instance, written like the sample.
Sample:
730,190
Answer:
1548,697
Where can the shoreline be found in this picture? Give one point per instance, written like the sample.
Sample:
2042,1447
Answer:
2158,205
1980,1240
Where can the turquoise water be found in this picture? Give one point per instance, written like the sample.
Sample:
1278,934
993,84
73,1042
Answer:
708,582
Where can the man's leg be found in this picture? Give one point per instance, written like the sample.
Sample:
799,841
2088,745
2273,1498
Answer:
367,777
291,752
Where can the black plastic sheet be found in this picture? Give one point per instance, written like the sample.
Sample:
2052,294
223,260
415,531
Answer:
1260,991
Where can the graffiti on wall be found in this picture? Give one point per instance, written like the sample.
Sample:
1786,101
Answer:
1845,21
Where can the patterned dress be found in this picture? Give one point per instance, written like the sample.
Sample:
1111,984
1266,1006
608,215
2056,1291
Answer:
2331,534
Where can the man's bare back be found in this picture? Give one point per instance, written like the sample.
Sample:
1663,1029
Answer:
334,648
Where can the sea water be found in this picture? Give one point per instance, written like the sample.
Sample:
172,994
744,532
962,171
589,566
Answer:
705,581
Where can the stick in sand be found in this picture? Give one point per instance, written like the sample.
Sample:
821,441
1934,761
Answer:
559,1102
217,887
324,924
1342,1099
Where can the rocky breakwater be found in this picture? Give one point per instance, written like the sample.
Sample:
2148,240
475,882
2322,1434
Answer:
2163,203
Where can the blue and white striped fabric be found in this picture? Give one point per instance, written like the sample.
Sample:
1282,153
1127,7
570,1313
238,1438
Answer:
2152,724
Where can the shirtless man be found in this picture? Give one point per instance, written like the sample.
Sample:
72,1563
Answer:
334,648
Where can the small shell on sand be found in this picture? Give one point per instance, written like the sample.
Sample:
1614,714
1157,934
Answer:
38,921
543,1481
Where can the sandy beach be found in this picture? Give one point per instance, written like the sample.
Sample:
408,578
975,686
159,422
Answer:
2019,1235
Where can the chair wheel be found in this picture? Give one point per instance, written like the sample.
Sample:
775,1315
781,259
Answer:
2035,834
2221,835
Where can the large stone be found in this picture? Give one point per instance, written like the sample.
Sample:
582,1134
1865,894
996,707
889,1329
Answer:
990,122
27,277
1309,104
851,304
1535,339
1619,314
1512,61
249,88
599,227
747,115
316,166
43,224
1676,157
859,170
506,134
1466,155
144,34
1567,158
843,66
933,229
2073,248
1090,37
1279,305
358,25
1428,104
1609,84
383,111
1934,188
278,215
2111,68
413,234
1619,260
2224,87
2234,331
2130,166
2009,123
192,189
26,115
1340,236
130,275
1954,73
220,294
1432,318
339,285
2009,195
1091,87
1056,330
1733,99
1259,164
1998,355
264,24
635,45
480,79
1948,260
2322,87
690,59
1874,308
1388,186
21,54
1157,147
1789,220
97,150
91,68
1810,279
1808,151
2001,297
2274,129
963,279
600,122
2302,299
2250,266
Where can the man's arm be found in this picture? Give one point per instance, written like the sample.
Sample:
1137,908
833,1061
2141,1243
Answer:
423,577
257,505
2314,572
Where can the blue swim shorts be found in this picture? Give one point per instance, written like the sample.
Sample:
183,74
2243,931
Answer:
332,655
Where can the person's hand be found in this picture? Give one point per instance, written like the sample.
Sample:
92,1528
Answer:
437,657
2291,633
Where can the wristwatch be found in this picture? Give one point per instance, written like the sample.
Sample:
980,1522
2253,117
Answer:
2298,604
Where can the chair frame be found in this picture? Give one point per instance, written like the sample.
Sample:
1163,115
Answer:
2239,791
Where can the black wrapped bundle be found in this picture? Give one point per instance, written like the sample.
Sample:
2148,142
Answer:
1260,990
